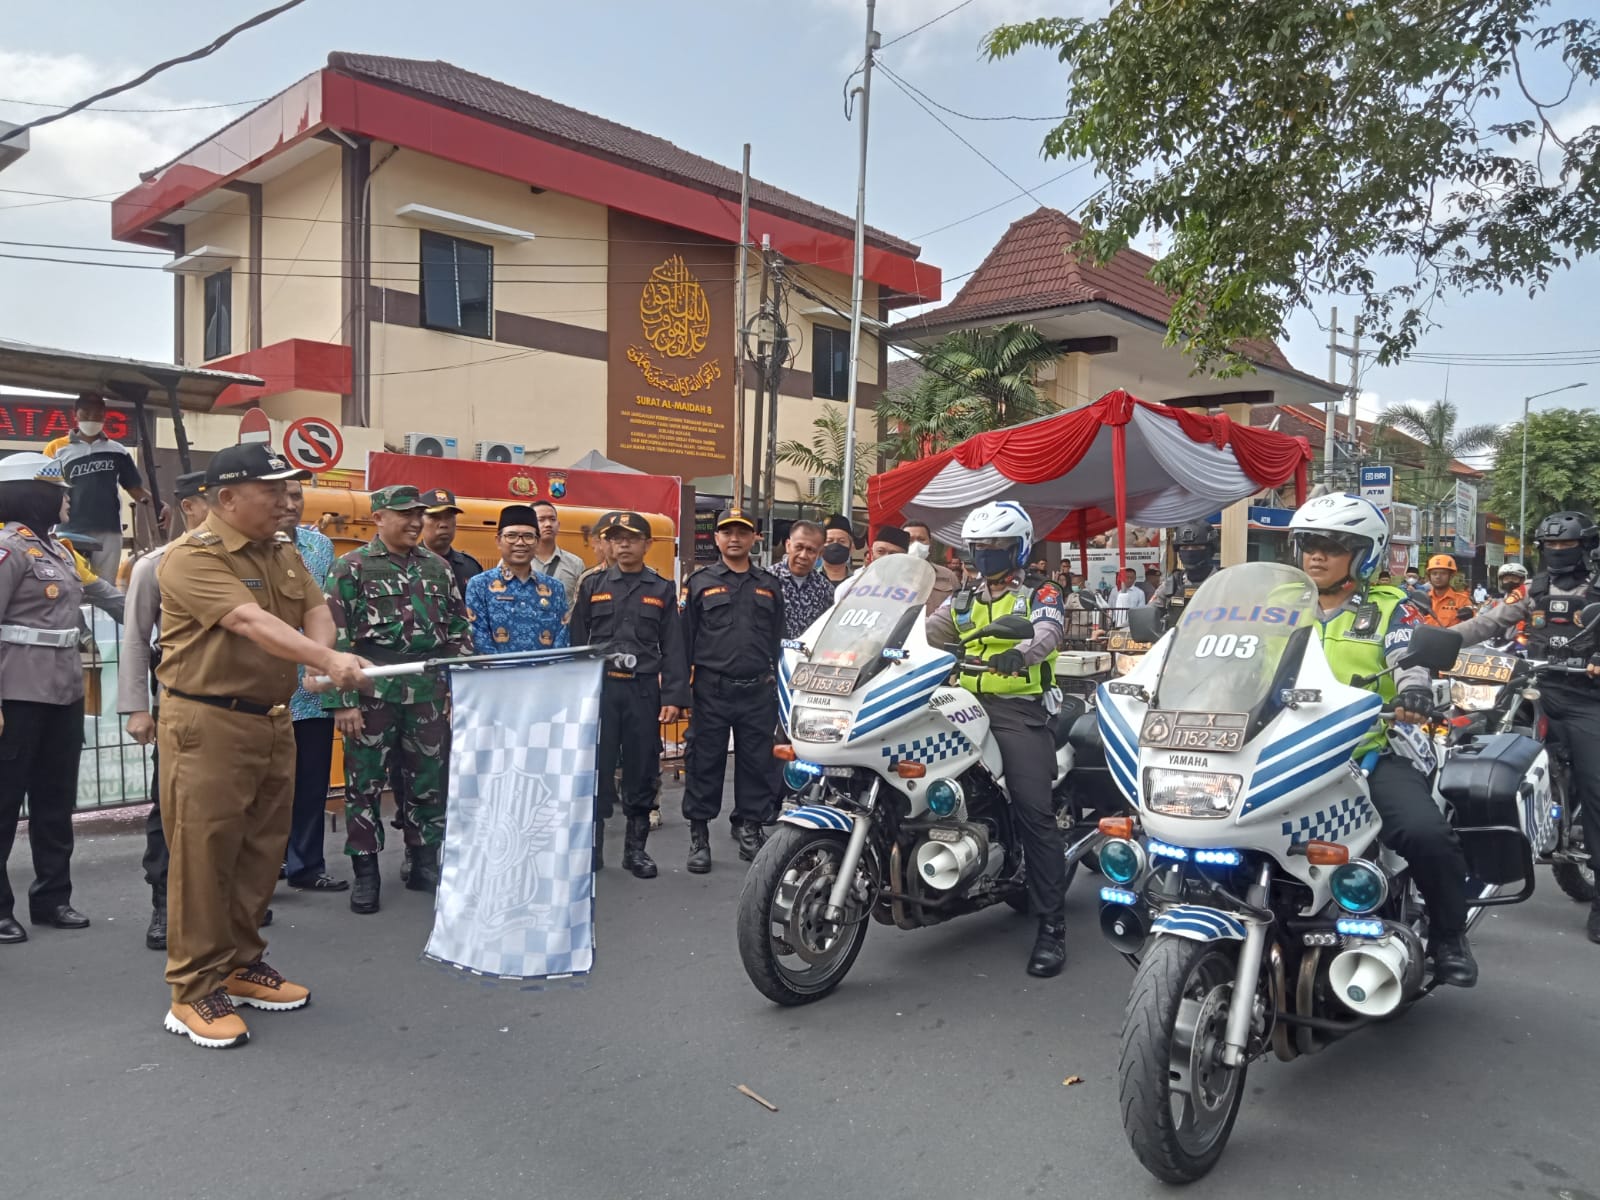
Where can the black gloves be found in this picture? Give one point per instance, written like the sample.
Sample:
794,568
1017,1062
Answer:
1008,662
1415,699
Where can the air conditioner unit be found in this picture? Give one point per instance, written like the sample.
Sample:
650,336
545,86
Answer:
498,452
431,445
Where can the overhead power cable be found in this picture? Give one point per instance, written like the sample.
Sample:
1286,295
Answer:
172,109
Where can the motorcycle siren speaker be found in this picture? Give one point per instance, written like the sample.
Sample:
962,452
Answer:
1125,928
944,865
1370,979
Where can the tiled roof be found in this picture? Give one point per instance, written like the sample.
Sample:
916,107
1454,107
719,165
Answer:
1029,270
904,373
468,91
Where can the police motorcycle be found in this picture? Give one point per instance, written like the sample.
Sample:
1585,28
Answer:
1250,888
1494,696
897,808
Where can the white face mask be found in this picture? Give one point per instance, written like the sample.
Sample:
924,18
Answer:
918,550
91,428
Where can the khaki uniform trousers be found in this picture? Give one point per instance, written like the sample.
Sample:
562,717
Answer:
227,795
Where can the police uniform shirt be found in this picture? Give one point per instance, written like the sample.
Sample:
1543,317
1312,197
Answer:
1041,605
1514,611
1395,635
733,621
509,615
635,613
205,577
140,632
463,566
39,589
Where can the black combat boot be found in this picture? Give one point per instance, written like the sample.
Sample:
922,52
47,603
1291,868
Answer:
634,857
699,848
407,865
1453,963
749,836
600,845
1594,923
364,896
1049,948
155,937
424,870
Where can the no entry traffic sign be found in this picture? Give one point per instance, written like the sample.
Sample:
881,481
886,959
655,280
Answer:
313,444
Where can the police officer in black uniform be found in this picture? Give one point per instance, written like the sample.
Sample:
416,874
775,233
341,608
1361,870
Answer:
732,632
1196,543
631,610
1556,598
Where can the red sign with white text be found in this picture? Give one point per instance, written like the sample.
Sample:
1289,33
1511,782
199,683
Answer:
506,481
25,420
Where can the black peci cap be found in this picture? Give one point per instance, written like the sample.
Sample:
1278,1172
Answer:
894,536
517,514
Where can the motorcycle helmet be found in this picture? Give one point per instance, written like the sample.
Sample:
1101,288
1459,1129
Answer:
1000,520
1566,527
1196,543
1442,562
1513,568
1354,523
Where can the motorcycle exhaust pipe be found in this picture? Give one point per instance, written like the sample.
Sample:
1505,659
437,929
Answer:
1370,979
1124,927
950,858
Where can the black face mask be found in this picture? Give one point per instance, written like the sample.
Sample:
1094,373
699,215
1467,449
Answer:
1195,559
835,555
1568,563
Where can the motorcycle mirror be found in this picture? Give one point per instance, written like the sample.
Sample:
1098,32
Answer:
1436,649
1010,626
1144,624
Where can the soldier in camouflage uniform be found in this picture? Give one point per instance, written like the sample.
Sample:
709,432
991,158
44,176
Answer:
394,601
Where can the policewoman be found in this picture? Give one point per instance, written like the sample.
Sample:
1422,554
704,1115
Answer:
732,631
999,536
632,610
41,690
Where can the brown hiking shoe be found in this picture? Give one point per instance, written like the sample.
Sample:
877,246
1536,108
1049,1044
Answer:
210,1021
259,986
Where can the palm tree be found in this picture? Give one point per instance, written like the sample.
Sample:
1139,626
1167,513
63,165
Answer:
823,459
1431,430
974,381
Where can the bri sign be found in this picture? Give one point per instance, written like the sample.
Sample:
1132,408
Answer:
1259,614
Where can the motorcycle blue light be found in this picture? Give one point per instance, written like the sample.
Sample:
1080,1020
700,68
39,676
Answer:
944,796
1358,887
1120,861
1352,927
1163,850
1218,858
797,775
1113,895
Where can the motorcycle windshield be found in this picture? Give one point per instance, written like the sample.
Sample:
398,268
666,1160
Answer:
873,610
1239,641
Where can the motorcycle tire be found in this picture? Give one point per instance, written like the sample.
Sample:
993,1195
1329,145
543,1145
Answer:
1576,881
1177,1000
790,871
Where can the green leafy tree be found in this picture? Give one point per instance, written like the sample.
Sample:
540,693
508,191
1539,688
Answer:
823,459
973,381
1295,148
1432,443
1563,453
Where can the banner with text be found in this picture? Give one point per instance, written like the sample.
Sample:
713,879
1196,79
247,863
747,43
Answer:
669,371
516,897
506,481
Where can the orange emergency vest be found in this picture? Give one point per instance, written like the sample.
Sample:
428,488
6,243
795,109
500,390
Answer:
1446,607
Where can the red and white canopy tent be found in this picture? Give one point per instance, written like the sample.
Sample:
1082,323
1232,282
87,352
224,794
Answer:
1116,462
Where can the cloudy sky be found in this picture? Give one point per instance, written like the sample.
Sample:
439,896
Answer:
708,74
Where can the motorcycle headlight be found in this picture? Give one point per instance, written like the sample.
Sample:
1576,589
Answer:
818,725
1190,793
1474,697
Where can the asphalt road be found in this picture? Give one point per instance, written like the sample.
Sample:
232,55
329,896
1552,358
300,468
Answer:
935,1071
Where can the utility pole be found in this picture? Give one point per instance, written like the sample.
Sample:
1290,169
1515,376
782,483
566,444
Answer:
848,483
1335,349
781,346
757,484
738,336
1355,396
1331,410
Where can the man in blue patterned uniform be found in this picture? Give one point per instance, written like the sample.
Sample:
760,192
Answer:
512,607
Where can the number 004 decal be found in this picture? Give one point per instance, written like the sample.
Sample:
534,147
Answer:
866,618
1226,645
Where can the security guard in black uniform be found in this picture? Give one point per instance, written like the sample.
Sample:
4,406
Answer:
732,632
1196,543
631,610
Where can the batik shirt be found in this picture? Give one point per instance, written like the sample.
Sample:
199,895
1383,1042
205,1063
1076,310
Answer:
805,598
394,609
509,615
316,551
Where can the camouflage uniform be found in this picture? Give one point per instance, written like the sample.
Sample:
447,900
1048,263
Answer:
390,609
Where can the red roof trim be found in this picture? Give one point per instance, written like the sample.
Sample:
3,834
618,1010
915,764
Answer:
297,364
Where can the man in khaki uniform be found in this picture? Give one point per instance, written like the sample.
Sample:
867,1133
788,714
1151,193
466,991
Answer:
233,593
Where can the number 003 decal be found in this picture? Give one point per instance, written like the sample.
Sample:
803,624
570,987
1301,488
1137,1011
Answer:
1226,645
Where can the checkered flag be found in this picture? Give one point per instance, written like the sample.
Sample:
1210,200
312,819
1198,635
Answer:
516,899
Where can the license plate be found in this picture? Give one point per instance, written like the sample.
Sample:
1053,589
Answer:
1121,641
1484,668
1219,732
825,680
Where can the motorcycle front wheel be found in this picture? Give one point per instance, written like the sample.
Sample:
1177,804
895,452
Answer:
1576,879
790,952
1178,1101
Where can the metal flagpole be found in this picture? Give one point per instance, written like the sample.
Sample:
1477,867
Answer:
738,336
623,662
847,487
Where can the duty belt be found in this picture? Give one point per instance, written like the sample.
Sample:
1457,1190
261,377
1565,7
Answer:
25,635
233,704
730,681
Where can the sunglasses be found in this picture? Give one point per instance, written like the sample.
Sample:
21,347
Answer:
1313,543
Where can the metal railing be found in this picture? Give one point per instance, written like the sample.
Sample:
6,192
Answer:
114,769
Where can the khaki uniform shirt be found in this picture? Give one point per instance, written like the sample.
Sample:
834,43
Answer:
39,589
205,577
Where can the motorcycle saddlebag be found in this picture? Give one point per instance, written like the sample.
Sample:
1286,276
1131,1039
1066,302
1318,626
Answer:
1481,780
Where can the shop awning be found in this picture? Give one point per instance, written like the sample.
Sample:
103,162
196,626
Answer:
1117,462
44,369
